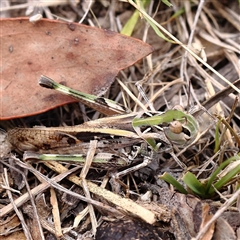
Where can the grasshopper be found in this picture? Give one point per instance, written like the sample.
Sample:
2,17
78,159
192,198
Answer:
121,129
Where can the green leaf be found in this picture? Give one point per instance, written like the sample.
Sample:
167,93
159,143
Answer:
227,178
166,2
131,23
170,179
192,182
209,188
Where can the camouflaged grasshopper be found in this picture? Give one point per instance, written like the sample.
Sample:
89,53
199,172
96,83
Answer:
114,133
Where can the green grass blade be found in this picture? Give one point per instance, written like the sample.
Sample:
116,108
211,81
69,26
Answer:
170,179
228,177
166,2
194,184
217,171
131,23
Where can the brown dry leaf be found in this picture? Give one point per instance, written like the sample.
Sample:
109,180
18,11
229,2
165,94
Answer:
223,230
188,213
186,209
15,235
9,224
83,57
205,218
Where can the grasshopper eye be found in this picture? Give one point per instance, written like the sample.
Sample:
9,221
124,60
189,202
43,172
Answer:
176,127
